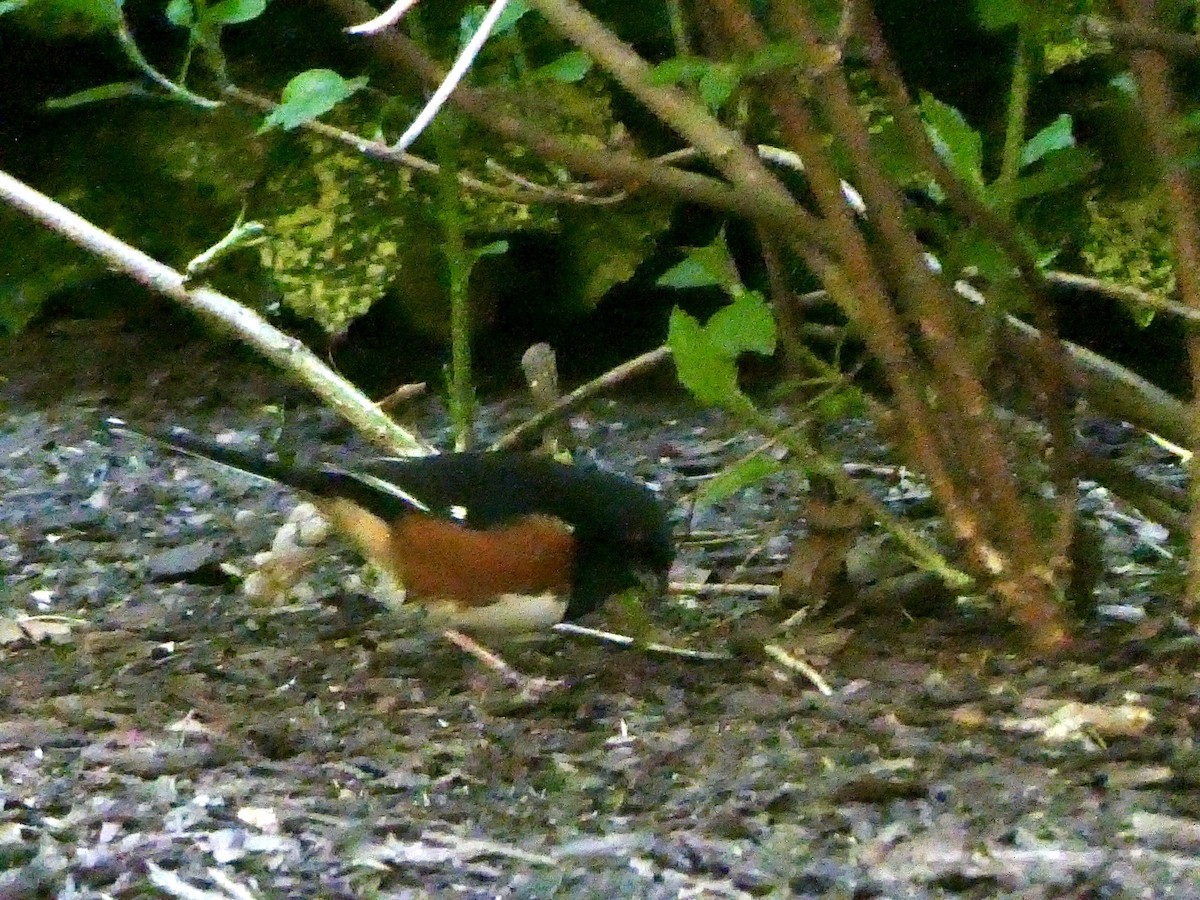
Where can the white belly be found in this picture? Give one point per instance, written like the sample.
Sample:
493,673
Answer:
510,614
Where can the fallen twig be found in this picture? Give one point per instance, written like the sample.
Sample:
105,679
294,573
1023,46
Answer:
796,664
746,590
283,350
614,376
625,640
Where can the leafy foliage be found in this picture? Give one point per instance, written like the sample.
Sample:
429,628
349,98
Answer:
605,250
959,145
68,17
1052,27
706,355
310,95
382,223
346,230
1049,164
172,199
568,68
186,13
335,241
1062,163
1128,242
716,81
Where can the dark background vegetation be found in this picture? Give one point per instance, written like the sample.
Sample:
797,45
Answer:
120,155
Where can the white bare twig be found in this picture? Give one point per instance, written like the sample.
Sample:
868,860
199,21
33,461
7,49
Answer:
385,19
796,664
625,640
453,77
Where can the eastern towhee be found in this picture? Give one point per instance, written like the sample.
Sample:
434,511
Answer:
497,543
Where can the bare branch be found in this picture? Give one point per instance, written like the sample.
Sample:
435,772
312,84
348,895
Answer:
232,317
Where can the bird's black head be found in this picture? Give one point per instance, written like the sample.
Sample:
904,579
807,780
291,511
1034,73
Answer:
624,541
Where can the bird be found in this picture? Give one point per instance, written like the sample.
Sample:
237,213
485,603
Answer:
496,543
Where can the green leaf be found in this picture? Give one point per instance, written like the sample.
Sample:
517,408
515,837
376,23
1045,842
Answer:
181,13
1060,169
1124,84
717,85
234,12
996,15
309,95
704,369
512,14
706,355
679,69
736,477
469,23
568,68
955,140
117,90
708,266
716,81
1055,136
8,6
495,248
745,325
689,273
97,13
772,57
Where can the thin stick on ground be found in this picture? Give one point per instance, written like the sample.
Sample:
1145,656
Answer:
745,590
626,370
625,640
796,664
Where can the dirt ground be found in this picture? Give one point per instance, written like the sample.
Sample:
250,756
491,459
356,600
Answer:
161,735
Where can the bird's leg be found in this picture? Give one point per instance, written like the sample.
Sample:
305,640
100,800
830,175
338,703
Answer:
531,689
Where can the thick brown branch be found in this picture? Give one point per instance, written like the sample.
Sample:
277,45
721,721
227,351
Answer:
1155,93
1139,36
860,291
1050,384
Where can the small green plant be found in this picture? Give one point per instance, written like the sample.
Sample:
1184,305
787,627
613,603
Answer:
706,361
706,355
1048,163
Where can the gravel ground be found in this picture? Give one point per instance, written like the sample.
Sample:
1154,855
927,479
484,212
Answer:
160,735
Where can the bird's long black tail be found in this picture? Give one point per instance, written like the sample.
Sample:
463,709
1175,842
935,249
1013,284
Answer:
310,479
319,481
